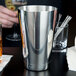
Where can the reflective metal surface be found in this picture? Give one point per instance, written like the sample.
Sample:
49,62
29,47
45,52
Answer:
37,22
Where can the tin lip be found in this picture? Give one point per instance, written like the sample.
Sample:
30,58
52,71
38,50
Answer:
37,8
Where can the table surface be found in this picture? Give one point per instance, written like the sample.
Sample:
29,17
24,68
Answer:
16,66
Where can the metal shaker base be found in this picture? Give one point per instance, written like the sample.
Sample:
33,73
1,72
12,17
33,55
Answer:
27,67
37,69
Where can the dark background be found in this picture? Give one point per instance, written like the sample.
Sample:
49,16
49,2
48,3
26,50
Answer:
65,7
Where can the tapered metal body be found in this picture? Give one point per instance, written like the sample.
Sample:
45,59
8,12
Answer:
37,22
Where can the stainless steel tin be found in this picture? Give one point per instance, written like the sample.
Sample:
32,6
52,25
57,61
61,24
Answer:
37,23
